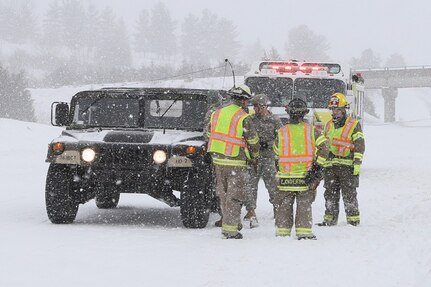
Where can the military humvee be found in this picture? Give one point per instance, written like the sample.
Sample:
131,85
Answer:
132,140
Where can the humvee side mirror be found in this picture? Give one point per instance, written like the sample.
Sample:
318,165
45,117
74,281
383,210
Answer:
61,113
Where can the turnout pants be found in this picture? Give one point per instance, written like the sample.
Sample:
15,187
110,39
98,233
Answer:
339,179
265,170
283,202
230,188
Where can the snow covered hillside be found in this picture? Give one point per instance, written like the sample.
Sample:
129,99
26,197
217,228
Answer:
143,243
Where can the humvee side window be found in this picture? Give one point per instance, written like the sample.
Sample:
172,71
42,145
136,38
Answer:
186,114
107,112
160,107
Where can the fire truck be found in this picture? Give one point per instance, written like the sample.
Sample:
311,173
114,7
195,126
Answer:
313,82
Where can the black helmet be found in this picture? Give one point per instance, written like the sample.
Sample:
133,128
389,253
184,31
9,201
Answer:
297,107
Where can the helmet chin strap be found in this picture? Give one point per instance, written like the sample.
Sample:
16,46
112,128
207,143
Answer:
296,119
339,121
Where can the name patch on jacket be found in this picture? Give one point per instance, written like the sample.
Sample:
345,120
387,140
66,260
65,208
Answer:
292,182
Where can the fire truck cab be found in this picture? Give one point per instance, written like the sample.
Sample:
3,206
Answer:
313,82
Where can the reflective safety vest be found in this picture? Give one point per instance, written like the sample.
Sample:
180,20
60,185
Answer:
296,150
226,136
340,140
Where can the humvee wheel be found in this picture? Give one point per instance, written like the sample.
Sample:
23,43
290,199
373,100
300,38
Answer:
104,201
61,207
195,208
106,197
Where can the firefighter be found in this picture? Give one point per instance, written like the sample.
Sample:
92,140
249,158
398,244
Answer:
301,151
347,147
267,126
233,143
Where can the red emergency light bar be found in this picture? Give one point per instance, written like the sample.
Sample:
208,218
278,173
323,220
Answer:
306,68
282,67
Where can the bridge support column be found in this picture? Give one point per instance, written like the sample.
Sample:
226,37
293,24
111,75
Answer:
389,97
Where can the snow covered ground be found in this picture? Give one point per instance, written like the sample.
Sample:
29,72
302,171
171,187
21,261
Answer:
143,243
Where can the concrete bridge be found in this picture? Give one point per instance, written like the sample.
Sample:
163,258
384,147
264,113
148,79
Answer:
389,80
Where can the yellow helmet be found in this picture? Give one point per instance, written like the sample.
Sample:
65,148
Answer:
338,100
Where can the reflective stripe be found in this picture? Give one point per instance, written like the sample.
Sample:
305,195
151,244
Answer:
288,156
358,155
285,147
348,126
327,163
298,159
214,121
254,140
275,149
328,218
233,128
290,175
321,139
226,132
229,162
229,228
354,218
309,143
342,144
303,231
285,141
229,139
342,161
283,231
292,188
320,160
358,135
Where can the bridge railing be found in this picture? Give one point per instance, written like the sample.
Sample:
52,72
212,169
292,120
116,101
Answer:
393,68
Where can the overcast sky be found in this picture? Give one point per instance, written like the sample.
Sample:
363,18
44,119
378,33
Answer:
386,26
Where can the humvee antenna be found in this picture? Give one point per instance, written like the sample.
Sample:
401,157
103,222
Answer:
233,72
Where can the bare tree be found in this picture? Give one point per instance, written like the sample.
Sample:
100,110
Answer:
163,41
368,59
142,36
395,60
304,44
15,99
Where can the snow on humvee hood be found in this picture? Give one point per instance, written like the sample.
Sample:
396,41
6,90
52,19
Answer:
169,137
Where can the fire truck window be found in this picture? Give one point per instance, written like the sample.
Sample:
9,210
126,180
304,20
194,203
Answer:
316,92
278,90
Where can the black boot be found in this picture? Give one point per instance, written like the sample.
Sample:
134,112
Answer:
307,237
326,223
232,236
219,222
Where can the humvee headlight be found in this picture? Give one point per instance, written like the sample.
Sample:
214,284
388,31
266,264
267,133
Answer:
57,148
88,154
191,150
159,156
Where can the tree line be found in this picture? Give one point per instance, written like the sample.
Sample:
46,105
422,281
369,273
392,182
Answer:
74,42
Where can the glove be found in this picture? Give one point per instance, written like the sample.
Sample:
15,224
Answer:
356,168
309,177
253,164
315,173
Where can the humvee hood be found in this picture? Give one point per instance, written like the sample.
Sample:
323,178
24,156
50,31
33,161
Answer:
128,136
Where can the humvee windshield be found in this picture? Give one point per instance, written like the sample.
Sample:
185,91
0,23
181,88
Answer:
170,111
